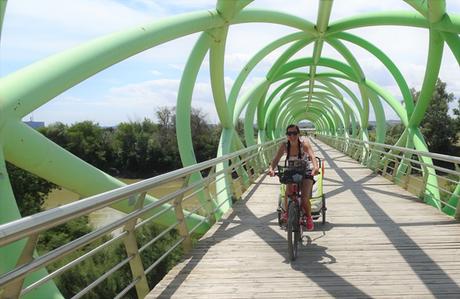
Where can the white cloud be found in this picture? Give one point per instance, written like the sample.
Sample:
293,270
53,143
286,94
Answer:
84,17
60,24
34,30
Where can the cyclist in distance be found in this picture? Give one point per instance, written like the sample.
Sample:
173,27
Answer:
296,149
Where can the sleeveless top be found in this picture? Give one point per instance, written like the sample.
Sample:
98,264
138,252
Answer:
301,155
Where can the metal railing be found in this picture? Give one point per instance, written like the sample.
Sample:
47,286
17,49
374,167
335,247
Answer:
416,171
243,168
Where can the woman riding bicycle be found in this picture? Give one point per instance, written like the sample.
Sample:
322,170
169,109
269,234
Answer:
297,149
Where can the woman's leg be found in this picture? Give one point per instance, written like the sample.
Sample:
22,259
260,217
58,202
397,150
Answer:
307,186
287,193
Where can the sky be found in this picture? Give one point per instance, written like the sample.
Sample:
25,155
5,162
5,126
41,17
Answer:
134,89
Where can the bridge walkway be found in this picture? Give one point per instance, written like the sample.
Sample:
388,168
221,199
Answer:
380,241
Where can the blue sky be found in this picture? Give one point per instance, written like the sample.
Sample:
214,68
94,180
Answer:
135,88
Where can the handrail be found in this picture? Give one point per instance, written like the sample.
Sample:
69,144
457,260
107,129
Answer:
376,158
435,156
18,229
11,282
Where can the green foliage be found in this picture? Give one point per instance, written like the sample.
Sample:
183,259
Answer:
136,149
449,186
78,277
63,234
30,191
239,128
438,127
133,149
393,133
205,137
86,140
372,136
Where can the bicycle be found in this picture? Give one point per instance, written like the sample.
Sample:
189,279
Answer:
317,198
293,174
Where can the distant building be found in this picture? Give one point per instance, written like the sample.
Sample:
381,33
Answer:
35,124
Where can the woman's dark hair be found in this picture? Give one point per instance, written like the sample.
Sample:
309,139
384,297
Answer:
293,126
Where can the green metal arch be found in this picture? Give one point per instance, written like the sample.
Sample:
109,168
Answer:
330,104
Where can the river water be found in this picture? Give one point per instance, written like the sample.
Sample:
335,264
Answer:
105,215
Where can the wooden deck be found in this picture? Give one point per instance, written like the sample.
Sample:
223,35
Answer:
379,242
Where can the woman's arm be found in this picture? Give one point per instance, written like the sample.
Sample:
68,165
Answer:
309,150
274,163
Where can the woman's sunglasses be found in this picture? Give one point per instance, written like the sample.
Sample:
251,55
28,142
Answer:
291,133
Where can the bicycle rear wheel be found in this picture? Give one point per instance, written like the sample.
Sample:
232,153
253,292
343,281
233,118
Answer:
280,210
293,231
323,210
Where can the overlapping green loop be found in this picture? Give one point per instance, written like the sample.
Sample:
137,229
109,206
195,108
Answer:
286,94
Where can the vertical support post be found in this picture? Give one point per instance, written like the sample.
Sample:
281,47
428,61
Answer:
407,178
395,170
207,194
14,289
236,193
350,148
252,170
130,242
425,180
183,230
385,167
457,211
211,204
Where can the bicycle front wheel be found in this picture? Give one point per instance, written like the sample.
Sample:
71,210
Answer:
293,230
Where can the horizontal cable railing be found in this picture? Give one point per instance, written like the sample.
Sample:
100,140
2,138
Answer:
416,171
243,168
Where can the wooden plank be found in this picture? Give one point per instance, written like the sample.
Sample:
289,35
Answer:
380,241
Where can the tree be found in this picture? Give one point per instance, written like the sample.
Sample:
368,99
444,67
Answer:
30,191
438,126
57,133
86,140
457,117
393,133
239,128
165,117
205,141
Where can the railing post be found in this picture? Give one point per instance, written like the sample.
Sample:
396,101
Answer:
457,210
13,290
207,194
182,226
252,171
385,167
407,178
236,193
374,158
350,148
130,242
356,152
395,169
425,181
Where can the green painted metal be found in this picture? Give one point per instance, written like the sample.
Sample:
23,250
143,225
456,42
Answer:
2,14
324,13
184,107
287,94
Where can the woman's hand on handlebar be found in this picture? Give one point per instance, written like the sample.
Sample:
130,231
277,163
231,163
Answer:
315,171
271,172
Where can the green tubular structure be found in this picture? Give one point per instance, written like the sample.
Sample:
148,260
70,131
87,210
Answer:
286,95
184,107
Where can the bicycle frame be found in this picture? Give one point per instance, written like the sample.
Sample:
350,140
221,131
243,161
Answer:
294,227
